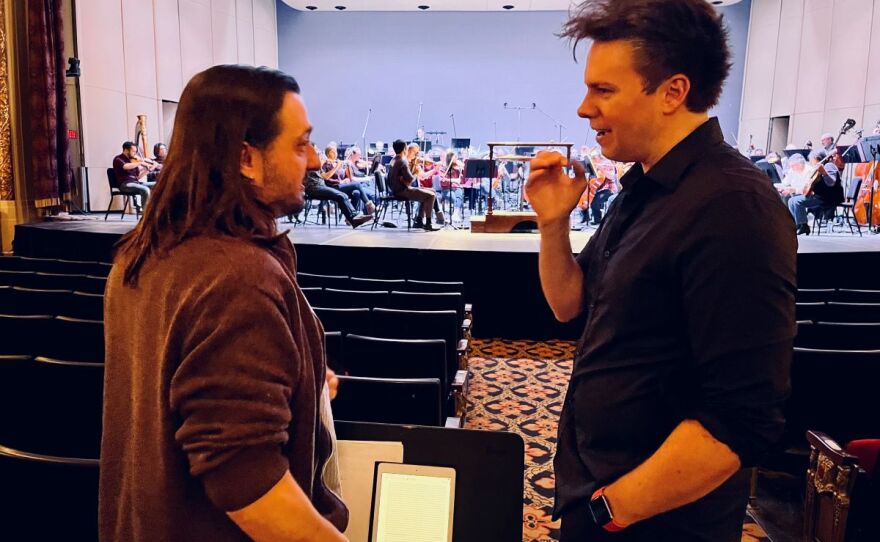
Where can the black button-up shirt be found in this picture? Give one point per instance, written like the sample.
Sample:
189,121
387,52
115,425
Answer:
689,287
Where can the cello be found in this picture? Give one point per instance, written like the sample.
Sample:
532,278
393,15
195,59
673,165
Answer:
868,200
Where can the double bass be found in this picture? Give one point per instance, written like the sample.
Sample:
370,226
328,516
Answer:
869,193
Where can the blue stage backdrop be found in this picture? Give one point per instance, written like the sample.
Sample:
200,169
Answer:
461,64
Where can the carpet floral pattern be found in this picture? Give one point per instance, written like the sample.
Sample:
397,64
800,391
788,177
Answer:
519,386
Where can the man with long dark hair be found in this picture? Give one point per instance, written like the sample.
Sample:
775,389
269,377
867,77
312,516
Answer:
688,288
215,402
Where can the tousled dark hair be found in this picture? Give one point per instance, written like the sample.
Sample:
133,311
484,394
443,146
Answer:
399,145
669,37
200,189
127,145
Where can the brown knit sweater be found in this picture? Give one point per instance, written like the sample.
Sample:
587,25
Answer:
214,370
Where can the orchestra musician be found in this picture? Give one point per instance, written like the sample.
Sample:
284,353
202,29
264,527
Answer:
424,171
316,188
795,179
453,169
130,171
160,152
400,180
358,171
822,189
335,175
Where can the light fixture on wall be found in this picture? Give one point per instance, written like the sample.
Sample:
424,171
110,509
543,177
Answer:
508,6
73,67
311,8
340,8
424,7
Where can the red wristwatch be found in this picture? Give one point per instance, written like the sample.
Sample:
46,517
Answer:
600,509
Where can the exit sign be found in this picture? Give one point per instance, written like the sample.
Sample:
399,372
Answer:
71,134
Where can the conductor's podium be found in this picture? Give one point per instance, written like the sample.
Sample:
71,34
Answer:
504,222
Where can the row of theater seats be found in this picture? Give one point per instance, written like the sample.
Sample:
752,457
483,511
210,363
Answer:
51,265
400,347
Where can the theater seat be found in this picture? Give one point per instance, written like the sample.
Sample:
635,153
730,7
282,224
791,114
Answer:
387,400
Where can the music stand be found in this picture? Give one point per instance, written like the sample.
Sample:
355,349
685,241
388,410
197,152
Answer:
480,169
524,151
851,154
803,152
424,144
461,142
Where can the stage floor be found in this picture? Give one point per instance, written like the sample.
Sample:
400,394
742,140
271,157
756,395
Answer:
448,239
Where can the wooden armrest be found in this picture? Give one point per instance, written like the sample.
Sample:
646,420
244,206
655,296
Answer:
453,422
462,353
466,324
459,389
468,308
461,379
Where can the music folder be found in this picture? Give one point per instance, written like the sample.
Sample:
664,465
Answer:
412,503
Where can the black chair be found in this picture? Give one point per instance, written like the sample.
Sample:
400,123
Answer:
333,298
815,295
311,280
403,324
323,210
851,312
126,198
396,358
84,305
74,339
845,295
58,405
42,265
17,278
92,284
848,216
809,311
22,335
49,497
422,301
57,281
433,287
835,390
335,351
10,263
23,301
385,400
75,267
386,199
376,285
838,336
346,321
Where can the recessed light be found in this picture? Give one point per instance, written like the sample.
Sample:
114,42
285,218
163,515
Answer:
340,8
507,6
311,8
424,7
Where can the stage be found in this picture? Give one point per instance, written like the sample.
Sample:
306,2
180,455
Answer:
500,271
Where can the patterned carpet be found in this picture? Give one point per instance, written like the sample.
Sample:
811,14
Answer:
519,386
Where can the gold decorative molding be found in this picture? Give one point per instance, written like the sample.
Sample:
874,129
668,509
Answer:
7,189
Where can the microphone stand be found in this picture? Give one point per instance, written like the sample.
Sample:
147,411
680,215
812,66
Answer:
454,132
364,133
519,111
419,125
556,123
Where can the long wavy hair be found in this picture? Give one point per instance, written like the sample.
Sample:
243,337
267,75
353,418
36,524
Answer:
200,189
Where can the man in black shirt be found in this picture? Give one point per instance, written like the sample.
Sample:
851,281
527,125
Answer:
688,286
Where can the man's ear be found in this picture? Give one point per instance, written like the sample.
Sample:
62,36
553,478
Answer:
251,163
675,91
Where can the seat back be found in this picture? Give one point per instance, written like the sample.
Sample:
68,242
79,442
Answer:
22,301
386,400
76,267
333,345
845,295
57,281
23,335
84,305
433,287
815,295
851,312
809,311
54,406
402,324
311,280
353,298
75,339
852,191
111,180
51,498
345,320
10,263
17,278
422,301
396,358
838,336
376,285
43,265
831,482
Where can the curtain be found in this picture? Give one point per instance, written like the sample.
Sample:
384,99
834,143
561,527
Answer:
50,151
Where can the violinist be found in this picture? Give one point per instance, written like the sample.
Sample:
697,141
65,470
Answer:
450,182
335,175
822,190
400,180
357,171
160,152
130,171
424,171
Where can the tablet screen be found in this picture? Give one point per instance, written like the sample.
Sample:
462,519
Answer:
412,503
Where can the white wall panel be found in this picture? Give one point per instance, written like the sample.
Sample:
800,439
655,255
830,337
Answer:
140,48
813,5
264,13
870,118
849,70
196,47
224,37
764,11
244,10
245,32
806,127
168,50
100,47
265,47
833,119
758,129
104,123
758,91
787,58
872,90
814,59
224,6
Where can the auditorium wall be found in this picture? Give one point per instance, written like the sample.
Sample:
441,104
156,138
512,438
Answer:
815,61
137,55
466,64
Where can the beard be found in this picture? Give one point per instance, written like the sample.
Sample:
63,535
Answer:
285,195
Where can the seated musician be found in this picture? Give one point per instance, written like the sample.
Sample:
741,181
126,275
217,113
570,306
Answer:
450,183
400,180
827,140
335,175
160,152
131,171
823,189
316,188
794,180
358,171
607,185
425,177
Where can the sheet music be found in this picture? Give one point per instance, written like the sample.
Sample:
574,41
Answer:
356,467
413,508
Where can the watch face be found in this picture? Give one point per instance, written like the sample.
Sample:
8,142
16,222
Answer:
600,511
